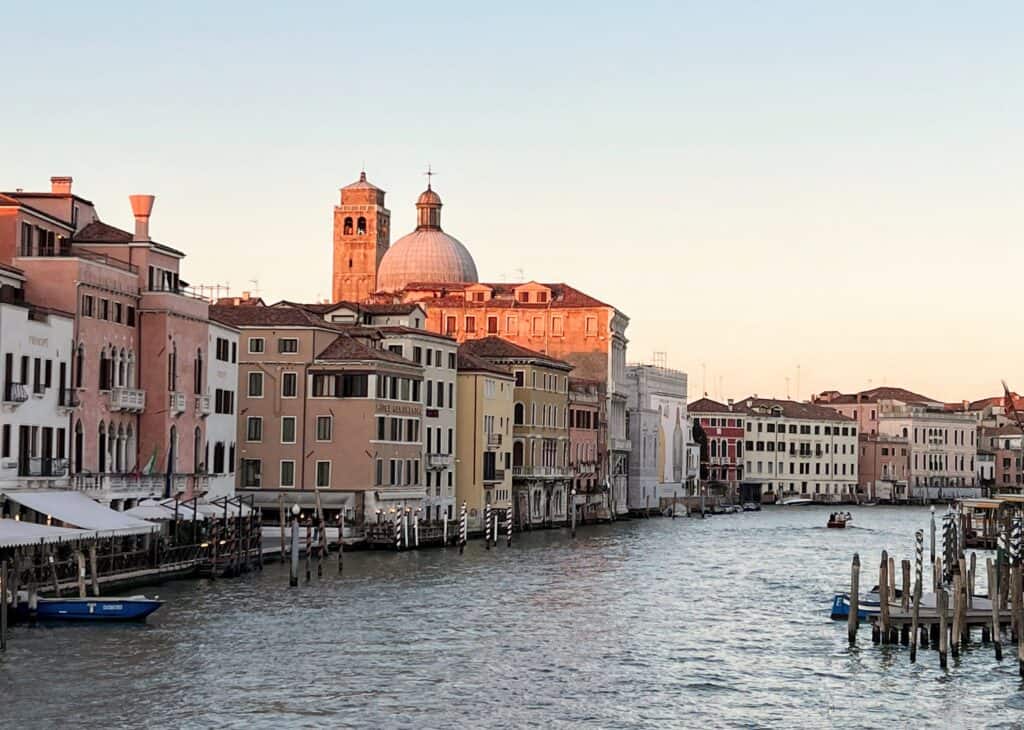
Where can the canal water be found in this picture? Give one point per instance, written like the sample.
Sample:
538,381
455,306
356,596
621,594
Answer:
641,624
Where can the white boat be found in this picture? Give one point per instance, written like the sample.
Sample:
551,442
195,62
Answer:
797,502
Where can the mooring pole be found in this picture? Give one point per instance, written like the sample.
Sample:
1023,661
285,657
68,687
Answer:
3,605
341,539
487,525
293,573
463,529
932,551
508,525
572,503
853,619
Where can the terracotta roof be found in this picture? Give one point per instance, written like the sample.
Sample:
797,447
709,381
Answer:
562,295
100,232
706,405
368,307
497,348
790,409
10,199
1008,430
361,183
346,347
396,329
256,316
468,362
874,395
998,400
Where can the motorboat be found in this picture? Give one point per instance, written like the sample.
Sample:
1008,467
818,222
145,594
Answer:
839,519
95,608
751,507
797,502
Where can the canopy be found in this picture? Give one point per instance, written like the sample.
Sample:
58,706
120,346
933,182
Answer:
74,508
154,511
14,533
185,511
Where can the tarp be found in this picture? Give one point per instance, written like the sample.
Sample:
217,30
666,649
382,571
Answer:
14,533
74,508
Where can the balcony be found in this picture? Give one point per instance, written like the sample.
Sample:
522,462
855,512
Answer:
618,444
176,402
495,477
203,405
43,467
130,400
15,393
541,472
128,486
67,398
493,440
439,461
585,467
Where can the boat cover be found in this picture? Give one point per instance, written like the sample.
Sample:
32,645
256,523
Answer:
74,508
14,533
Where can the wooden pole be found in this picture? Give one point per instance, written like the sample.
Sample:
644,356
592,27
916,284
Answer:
957,615
940,602
914,618
309,546
53,573
964,600
93,561
3,605
891,574
993,594
80,565
444,530
937,574
971,576
931,553
280,509
883,597
905,598
853,620
293,572
341,538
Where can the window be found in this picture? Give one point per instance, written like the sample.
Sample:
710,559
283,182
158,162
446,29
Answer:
538,325
87,305
287,429
470,324
557,326
591,325
492,325
449,325
288,473
223,401
222,349
324,427
255,344
256,384
397,349
289,385
218,458
323,473
524,297
381,428
378,477
254,429
118,312
451,361
520,378
251,469
129,316
287,345
512,324
417,355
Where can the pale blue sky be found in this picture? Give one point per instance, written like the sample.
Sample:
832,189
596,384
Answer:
757,185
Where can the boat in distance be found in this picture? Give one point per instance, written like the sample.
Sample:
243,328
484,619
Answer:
797,502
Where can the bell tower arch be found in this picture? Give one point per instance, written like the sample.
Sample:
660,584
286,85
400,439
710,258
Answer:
362,234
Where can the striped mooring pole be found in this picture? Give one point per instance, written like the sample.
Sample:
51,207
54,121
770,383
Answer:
919,555
487,525
398,530
508,525
463,529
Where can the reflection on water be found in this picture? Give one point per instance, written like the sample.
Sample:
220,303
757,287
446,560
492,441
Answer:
649,623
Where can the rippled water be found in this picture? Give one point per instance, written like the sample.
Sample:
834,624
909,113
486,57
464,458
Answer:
641,624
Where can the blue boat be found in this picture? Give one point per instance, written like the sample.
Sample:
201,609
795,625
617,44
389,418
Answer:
867,605
98,608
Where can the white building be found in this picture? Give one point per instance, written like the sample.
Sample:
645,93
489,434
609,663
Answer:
222,422
35,366
658,437
799,449
438,356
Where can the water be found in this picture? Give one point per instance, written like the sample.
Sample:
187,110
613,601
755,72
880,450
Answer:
641,624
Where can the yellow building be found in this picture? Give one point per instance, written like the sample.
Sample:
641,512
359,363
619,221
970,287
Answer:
483,473
541,474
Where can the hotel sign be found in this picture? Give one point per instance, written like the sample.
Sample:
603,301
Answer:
394,409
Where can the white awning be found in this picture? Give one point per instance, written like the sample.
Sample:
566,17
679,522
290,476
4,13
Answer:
74,508
385,495
14,533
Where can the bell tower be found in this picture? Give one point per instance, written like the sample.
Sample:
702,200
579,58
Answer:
362,230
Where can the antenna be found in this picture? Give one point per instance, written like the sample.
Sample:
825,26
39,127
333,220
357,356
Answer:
704,378
521,274
255,286
660,360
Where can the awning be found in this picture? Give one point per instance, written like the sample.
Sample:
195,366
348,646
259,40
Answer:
14,533
73,508
385,495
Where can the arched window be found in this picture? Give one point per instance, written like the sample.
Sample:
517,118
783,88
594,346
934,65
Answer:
172,447
102,449
231,459
131,460
361,227
714,449
199,372
172,368
517,453
79,444
348,227
119,451
79,365
122,369
520,414
218,458
130,382
197,451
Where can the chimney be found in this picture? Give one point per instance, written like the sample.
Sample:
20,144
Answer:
245,296
729,403
60,185
142,206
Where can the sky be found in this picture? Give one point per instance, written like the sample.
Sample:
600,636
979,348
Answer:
783,197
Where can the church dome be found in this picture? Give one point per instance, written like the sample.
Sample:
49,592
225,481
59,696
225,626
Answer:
427,254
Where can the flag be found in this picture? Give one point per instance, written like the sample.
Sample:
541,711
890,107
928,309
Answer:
151,464
169,476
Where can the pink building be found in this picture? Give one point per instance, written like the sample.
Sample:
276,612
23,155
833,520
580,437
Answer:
585,404
139,338
723,427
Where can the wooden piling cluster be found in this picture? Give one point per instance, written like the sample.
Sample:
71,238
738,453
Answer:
945,618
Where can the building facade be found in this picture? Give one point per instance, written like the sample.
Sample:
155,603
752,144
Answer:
882,465
724,430
796,449
222,421
483,449
658,435
1002,446
586,414
35,357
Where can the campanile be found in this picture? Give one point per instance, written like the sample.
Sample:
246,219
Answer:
362,230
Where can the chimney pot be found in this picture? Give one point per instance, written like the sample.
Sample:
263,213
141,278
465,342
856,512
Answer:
142,207
60,185
245,296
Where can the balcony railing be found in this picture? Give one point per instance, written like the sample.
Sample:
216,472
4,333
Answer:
439,461
67,398
618,444
203,405
494,439
498,475
546,472
135,485
176,402
15,393
127,399
43,467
